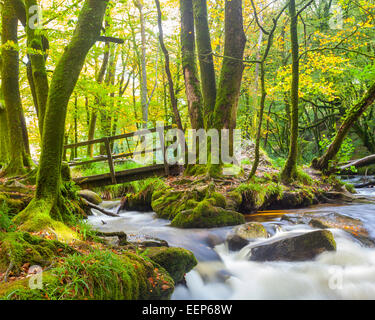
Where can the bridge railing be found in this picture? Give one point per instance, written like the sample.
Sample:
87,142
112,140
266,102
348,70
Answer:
110,157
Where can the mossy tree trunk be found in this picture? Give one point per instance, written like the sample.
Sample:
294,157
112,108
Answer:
144,94
289,171
11,91
261,64
36,46
351,117
205,56
62,85
4,142
225,113
48,198
189,66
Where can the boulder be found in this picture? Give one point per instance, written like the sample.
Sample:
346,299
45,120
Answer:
90,196
329,219
176,261
251,230
244,233
298,248
235,242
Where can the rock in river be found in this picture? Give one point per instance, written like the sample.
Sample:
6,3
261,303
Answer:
244,233
297,248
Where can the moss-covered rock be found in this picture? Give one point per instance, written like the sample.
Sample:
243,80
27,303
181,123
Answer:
207,215
251,230
244,233
298,248
142,200
258,195
176,261
201,207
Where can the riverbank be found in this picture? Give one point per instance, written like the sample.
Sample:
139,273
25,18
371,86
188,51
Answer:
225,273
187,202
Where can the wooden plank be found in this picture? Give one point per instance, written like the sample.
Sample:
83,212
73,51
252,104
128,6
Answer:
105,158
110,161
121,136
126,176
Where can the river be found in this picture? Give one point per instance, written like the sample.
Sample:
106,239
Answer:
347,273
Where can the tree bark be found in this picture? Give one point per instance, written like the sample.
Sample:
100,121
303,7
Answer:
225,112
189,67
173,99
11,91
205,56
289,171
38,65
144,99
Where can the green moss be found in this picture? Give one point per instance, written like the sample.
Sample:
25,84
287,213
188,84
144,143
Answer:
101,275
206,215
350,187
142,200
38,216
176,261
256,194
19,248
169,203
304,177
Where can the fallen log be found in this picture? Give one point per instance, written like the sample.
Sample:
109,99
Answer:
360,162
102,210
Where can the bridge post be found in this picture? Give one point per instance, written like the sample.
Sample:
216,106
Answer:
110,160
164,149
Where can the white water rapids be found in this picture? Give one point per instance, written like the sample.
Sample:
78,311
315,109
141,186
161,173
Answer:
348,273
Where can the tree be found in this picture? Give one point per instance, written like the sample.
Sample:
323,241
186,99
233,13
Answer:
289,171
206,62
270,37
189,67
48,201
144,95
11,92
351,117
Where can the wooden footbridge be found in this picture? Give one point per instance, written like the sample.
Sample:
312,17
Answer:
117,177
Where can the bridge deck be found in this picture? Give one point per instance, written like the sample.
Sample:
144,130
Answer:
114,177
126,176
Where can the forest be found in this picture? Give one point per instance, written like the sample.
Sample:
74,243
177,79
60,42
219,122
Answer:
177,149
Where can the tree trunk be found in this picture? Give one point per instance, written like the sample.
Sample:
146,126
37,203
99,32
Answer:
144,99
94,114
351,117
168,70
206,62
231,71
38,65
62,85
225,113
4,142
289,171
189,67
11,92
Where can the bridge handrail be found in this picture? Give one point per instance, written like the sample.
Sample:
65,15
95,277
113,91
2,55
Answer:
110,157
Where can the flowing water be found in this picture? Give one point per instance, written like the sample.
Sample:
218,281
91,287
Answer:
348,273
